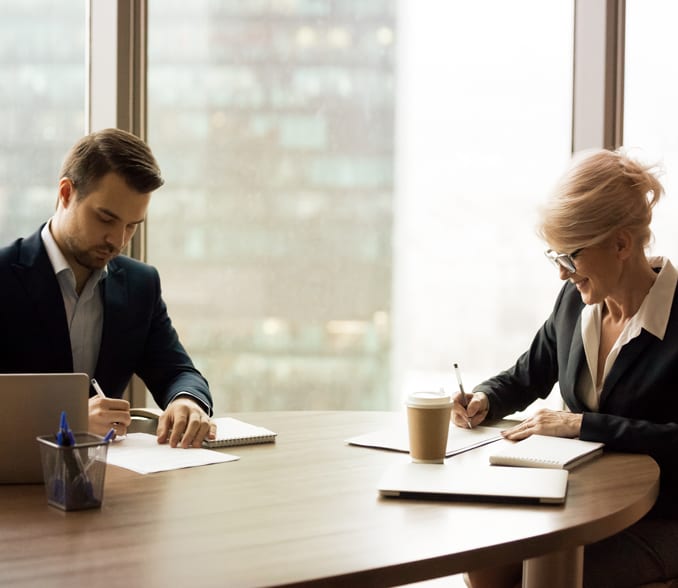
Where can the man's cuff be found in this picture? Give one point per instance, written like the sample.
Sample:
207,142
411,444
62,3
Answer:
198,401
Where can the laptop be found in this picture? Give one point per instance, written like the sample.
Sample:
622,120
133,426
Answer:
476,483
31,407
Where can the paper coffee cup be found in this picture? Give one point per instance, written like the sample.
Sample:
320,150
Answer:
428,419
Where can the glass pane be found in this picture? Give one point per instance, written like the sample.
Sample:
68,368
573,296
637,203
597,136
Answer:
352,190
650,98
42,105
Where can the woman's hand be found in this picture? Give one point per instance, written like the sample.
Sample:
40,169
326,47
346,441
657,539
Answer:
475,412
556,423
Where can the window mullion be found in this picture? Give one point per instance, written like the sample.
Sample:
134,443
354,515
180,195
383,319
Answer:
598,74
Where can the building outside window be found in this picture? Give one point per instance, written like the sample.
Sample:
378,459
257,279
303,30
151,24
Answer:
352,189
42,106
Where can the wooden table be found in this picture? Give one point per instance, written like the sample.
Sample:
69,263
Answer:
304,512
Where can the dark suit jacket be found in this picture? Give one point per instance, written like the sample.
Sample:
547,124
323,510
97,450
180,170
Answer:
638,410
137,335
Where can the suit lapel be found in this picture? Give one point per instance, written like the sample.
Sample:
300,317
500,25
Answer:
115,296
575,360
35,272
627,357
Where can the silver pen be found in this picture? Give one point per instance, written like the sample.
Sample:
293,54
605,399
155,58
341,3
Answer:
100,394
463,400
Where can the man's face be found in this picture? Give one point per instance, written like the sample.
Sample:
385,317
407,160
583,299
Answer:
93,230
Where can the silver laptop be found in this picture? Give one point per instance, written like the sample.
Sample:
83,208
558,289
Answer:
31,406
475,483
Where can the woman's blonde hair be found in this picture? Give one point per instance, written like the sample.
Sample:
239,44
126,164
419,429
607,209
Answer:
602,192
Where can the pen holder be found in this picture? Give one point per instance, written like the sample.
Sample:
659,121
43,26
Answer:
74,475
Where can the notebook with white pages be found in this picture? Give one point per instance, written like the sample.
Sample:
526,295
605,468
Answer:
232,432
542,451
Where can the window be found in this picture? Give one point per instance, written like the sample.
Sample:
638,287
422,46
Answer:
42,105
650,98
352,190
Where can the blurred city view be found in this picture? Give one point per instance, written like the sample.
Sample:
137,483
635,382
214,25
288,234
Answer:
301,143
352,186
42,106
274,125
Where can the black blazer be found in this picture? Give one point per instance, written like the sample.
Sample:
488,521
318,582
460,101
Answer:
638,409
137,335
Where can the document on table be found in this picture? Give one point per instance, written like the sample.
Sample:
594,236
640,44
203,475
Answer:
458,440
141,453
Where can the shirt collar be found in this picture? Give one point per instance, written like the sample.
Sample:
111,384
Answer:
56,257
653,314
654,311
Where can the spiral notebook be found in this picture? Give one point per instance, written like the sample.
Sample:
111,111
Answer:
541,451
231,432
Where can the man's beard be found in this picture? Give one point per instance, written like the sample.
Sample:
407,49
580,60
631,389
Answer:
92,258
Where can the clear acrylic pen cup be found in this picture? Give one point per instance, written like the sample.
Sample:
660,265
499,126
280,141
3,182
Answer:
74,475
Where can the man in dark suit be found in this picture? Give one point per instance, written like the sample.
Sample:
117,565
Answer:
69,302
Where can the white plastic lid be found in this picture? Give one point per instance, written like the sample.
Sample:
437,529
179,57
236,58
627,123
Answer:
428,399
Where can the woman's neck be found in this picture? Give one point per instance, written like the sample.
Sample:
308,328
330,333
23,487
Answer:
634,285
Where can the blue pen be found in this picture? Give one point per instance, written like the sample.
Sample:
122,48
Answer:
109,435
77,488
64,437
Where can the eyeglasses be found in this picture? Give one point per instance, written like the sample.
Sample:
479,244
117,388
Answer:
565,260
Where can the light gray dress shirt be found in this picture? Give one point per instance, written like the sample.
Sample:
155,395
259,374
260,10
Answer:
85,313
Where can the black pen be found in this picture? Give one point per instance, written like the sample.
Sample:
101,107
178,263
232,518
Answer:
463,400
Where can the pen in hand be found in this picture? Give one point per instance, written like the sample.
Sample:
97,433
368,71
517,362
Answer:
462,399
100,394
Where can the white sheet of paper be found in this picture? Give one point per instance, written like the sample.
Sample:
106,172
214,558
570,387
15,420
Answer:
141,453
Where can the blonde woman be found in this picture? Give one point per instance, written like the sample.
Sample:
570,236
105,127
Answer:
611,343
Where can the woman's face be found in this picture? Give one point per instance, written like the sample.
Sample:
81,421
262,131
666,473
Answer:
597,274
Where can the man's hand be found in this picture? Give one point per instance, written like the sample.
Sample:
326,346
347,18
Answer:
108,413
556,423
185,424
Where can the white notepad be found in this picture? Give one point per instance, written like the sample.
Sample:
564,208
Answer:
541,451
231,432
474,483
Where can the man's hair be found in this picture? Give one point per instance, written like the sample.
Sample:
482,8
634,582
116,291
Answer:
111,150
